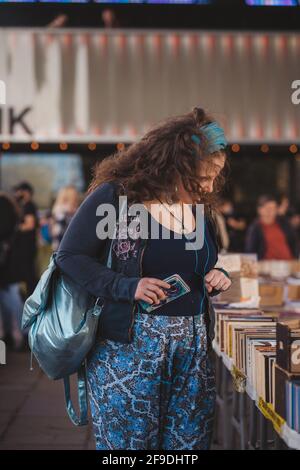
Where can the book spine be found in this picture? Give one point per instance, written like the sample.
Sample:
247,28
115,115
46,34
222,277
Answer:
296,406
287,402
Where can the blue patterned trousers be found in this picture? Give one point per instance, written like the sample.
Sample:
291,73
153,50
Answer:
157,392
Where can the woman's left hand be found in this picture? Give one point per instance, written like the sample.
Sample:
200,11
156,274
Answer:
216,279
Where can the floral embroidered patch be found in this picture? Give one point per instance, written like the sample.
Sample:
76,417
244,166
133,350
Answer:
126,248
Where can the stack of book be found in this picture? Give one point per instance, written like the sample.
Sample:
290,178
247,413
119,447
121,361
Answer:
263,344
239,264
243,270
287,396
271,293
293,290
248,337
287,372
276,269
295,268
264,284
279,282
265,348
263,372
288,345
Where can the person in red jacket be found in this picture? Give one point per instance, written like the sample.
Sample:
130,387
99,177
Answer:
270,235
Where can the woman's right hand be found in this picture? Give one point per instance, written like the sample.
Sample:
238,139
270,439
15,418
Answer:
150,290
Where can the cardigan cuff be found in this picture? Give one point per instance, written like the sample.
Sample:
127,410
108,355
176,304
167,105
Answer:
127,287
224,271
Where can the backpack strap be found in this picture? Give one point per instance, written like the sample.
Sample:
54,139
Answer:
80,420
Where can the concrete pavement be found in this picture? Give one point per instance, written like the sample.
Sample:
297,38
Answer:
32,410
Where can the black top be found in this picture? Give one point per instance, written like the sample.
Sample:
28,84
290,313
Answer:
166,256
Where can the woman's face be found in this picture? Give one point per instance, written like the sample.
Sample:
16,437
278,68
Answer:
208,171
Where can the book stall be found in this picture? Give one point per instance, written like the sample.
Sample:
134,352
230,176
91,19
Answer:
257,346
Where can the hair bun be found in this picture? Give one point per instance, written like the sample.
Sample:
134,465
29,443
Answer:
199,115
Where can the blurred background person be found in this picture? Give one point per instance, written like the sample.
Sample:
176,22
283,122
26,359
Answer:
65,206
284,205
235,226
221,231
109,19
11,304
45,220
288,210
59,21
292,216
294,220
44,240
27,234
271,236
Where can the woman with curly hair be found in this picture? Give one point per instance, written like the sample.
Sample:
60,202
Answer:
150,373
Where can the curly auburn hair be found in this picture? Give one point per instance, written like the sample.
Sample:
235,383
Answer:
153,165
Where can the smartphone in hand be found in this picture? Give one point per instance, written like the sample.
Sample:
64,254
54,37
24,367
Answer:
178,288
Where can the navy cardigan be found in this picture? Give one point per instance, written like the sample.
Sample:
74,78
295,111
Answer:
82,256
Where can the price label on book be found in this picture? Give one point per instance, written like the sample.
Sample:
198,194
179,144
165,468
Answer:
269,413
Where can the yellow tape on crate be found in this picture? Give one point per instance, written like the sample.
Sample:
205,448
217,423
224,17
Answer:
239,379
269,413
